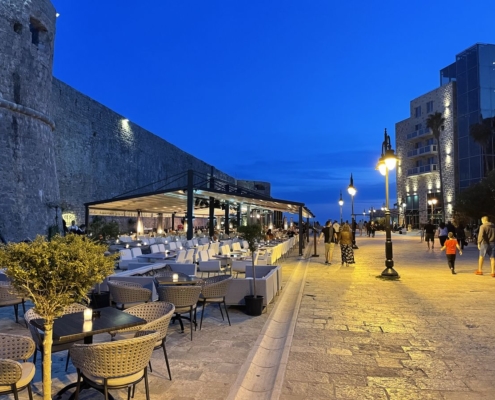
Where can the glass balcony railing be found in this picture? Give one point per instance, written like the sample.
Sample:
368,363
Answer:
418,133
424,169
430,149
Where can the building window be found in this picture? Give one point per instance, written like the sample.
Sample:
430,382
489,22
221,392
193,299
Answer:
429,107
417,111
417,127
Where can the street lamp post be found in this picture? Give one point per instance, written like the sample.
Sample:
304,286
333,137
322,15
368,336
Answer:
387,162
432,203
341,203
352,191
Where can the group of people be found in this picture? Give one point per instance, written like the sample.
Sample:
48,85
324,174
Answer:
453,238
333,234
73,228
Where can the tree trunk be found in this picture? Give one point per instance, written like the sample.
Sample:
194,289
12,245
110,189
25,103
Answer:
254,277
47,361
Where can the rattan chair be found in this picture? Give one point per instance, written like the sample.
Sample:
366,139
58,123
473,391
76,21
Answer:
16,376
8,297
185,299
114,365
128,294
38,336
214,290
157,316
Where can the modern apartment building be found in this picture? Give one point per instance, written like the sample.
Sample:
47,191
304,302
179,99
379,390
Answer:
466,96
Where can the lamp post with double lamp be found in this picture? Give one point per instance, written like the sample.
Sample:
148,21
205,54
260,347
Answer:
432,203
352,191
387,162
341,203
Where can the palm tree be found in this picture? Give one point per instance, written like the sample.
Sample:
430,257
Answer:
435,123
482,133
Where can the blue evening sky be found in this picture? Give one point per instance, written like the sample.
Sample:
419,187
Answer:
296,93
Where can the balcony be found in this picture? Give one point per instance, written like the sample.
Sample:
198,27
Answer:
419,133
422,151
424,169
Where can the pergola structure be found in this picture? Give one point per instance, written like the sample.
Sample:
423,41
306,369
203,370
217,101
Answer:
187,194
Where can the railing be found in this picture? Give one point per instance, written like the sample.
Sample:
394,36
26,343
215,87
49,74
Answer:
418,133
430,149
424,169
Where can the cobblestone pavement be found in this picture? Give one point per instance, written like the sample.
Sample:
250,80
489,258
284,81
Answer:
428,335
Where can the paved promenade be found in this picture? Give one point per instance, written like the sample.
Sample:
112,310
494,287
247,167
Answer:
337,333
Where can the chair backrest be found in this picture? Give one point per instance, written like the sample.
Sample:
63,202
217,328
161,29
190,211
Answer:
157,315
151,240
172,245
125,254
15,347
181,256
136,251
189,244
225,249
154,248
211,253
180,296
195,242
203,256
240,266
115,359
7,294
161,247
245,245
189,259
216,286
236,246
127,292
74,308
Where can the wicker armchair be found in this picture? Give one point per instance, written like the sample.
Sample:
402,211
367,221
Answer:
128,293
38,335
9,298
185,299
214,290
157,316
15,376
114,365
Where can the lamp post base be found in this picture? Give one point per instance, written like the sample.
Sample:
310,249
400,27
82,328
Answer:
390,272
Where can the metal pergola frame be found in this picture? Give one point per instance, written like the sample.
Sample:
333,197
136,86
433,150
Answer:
179,195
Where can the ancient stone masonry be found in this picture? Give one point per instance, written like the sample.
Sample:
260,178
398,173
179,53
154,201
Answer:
28,174
62,149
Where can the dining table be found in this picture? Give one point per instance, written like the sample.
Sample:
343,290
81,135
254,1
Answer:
180,280
73,327
152,257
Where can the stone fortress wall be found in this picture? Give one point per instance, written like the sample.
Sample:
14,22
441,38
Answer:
101,155
60,148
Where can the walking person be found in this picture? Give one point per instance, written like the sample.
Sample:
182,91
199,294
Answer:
460,235
442,233
329,234
345,239
486,245
429,229
450,247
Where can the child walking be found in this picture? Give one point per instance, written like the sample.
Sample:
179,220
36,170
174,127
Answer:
451,245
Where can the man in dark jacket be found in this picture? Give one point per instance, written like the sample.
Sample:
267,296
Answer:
329,234
430,234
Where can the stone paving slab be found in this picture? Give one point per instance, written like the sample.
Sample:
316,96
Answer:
428,335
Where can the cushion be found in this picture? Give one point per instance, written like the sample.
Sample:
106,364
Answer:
28,371
120,381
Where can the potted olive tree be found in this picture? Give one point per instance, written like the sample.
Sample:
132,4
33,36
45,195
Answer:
54,274
251,234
